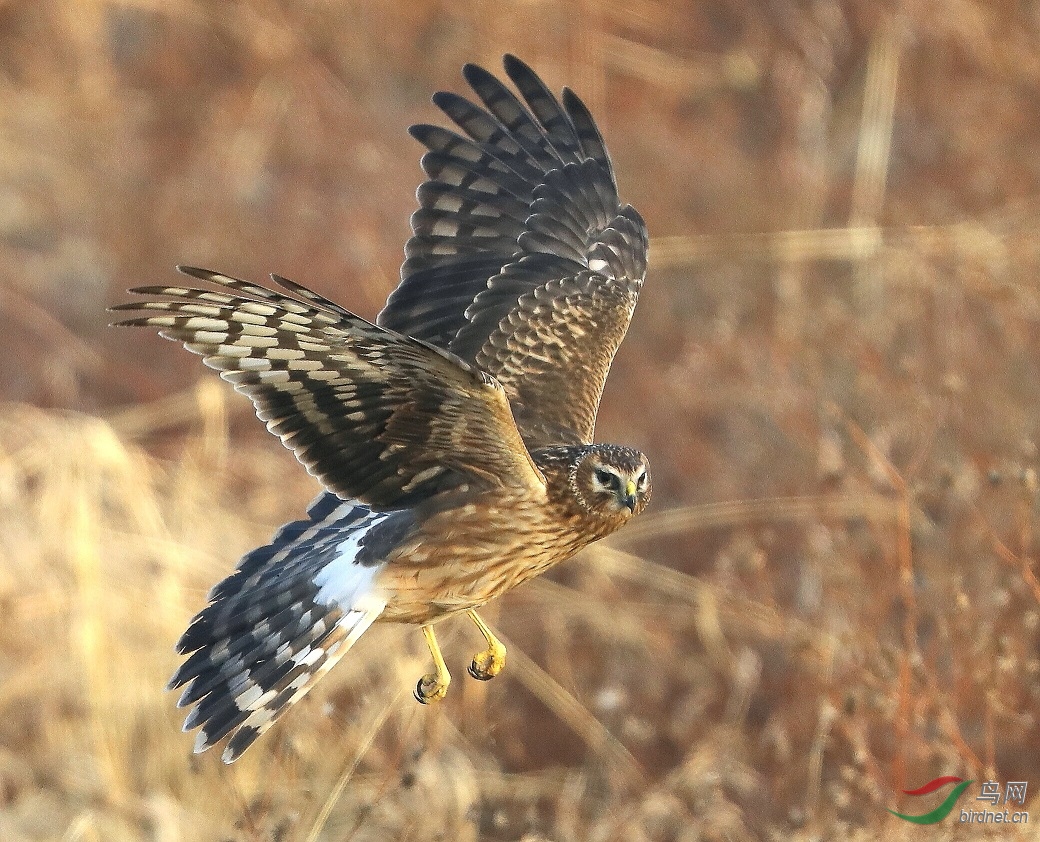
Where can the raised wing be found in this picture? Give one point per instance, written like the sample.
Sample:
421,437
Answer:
523,260
376,416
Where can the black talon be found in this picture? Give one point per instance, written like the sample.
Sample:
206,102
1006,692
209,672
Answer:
478,674
418,693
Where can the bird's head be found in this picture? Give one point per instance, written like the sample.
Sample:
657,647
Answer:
612,481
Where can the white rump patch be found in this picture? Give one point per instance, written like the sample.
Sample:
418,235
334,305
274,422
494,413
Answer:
346,584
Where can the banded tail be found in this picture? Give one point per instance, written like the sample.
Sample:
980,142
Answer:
281,621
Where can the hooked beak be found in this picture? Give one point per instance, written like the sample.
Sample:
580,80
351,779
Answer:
630,496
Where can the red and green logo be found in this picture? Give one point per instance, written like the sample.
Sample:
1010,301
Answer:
944,809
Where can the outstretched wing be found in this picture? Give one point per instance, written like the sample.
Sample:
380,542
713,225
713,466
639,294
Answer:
376,416
523,260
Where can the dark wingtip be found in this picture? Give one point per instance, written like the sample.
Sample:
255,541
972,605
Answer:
120,308
475,74
419,130
126,305
442,97
196,272
514,65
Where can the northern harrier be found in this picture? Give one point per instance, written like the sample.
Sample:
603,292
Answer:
454,436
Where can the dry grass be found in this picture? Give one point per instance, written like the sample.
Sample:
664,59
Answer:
675,721
834,596
668,706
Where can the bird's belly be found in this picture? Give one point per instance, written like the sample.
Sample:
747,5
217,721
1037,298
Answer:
452,568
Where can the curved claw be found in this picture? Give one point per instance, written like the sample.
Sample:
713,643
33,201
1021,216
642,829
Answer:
487,664
430,689
433,686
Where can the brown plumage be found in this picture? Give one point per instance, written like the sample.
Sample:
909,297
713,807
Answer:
454,436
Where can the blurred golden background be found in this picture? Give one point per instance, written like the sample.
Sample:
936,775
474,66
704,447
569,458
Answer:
833,368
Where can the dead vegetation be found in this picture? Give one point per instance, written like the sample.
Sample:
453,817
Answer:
834,369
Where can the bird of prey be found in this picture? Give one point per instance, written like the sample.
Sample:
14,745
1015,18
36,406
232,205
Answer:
454,436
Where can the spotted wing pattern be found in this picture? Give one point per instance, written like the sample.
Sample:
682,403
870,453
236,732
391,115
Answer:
376,416
523,260
270,631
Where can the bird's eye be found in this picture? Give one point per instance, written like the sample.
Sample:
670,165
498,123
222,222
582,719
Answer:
605,477
641,481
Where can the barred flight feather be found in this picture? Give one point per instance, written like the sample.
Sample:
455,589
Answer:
365,409
529,177
279,623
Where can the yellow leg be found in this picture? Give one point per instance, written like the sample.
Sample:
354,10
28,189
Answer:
433,686
489,663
